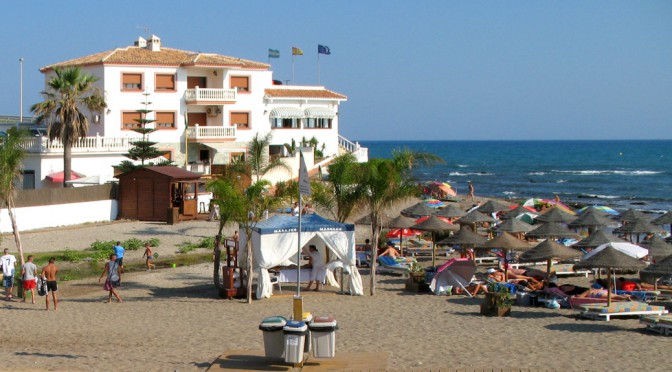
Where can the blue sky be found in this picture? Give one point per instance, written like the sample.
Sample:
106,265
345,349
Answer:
454,70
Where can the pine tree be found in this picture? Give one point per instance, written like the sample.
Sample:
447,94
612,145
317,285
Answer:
143,149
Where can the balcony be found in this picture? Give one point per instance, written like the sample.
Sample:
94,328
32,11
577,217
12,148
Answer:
209,96
95,144
198,133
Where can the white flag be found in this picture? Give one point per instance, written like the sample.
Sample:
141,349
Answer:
304,181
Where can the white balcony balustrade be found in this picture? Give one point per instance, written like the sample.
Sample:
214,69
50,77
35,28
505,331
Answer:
82,145
200,133
209,95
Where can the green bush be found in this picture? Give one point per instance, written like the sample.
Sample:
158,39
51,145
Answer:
186,247
72,256
208,242
133,244
153,242
104,246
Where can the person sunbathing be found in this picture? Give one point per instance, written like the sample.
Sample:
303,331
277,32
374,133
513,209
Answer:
390,251
526,281
473,289
602,294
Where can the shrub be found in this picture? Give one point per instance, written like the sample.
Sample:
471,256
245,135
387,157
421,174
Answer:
153,242
72,256
186,247
133,244
208,242
103,246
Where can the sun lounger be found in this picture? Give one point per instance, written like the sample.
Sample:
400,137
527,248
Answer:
597,311
390,265
416,251
486,260
567,270
642,295
658,323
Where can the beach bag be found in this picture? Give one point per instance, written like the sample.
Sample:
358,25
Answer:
41,286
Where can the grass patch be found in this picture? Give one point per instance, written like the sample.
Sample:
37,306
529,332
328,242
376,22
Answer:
186,246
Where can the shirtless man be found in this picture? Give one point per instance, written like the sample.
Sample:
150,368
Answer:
49,272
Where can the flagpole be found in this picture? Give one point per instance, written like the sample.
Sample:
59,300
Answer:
318,67
292,67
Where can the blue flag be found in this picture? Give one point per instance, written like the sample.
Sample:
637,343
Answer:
323,49
273,53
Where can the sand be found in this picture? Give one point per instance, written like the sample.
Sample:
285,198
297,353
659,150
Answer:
171,319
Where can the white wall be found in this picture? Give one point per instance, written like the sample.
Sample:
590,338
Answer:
30,218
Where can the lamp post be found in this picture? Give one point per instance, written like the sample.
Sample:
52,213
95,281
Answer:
21,89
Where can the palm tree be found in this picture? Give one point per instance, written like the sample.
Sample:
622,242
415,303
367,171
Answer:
11,162
341,192
70,91
258,159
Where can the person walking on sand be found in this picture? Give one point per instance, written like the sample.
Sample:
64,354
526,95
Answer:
113,277
8,263
148,253
471,191
119,252
49,273
29,276
316,262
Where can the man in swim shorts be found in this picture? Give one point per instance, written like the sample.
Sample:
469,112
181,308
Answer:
29,276
49,273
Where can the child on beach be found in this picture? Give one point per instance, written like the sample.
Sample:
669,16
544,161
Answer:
148,254
113,277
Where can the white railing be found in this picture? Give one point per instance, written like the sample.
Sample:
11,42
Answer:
86,144
360,153
197,132
210,94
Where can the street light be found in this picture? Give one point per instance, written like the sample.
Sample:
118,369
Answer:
21,89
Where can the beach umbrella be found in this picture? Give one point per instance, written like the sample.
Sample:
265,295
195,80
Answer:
433,225
465,238
403,223
630,249
552,230
592,220
662,268
444,219
455,272
601,209
451,211
632,215
366,220
555,214
549,250
610,258
400,233
658,248
418,210
434,203
518,210
474,217
513,225
637,227
598,238
442,187
493,205
506,242
665,219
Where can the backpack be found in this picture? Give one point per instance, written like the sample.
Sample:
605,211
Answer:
41,286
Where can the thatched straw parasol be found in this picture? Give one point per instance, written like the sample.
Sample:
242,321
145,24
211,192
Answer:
366,220
610,258
555,214
598,238
400,222
658,248
632,215
664,220
514,225
433,224
549,250
494,205
450,211
418,210
474,217
638,226
506,242
517,211
592,220
465,238
552,230
662,268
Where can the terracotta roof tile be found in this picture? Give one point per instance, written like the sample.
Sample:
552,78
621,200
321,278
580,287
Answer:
164,57
304,93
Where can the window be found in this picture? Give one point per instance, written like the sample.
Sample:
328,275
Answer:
165,82
196,81
130,120
199,118
286,123
168,155
131,82
28,179
240,83
240,120
165,120
321,123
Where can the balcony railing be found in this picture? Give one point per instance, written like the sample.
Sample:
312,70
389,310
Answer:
210,95
82,145
200,133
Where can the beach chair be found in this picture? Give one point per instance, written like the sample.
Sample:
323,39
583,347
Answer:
390,265
658,323
625,308
645,296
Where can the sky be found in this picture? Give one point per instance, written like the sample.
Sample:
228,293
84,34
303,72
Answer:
426,70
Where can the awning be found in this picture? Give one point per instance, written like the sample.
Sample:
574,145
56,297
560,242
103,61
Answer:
223,147
90,180
58,177
319,113
287,113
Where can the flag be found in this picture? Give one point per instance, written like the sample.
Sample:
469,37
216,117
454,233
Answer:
273,53
297,51
323,49
304,180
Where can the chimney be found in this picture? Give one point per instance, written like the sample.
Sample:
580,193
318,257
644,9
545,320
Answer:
154,44
141,42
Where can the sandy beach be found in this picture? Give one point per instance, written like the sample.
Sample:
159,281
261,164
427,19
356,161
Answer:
172,320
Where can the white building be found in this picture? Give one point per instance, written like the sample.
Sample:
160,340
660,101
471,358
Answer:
207,107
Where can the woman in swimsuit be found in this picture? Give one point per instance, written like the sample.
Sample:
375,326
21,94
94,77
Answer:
113,277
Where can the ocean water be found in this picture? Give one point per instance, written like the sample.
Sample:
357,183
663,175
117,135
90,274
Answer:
621,174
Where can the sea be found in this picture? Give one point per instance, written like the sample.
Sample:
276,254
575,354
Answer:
619,174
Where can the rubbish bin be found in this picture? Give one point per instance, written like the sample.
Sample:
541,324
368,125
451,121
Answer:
307,318
523,299
323,334
295,334
274,346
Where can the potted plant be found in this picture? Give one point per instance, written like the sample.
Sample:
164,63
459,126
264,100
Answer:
417,273
497,301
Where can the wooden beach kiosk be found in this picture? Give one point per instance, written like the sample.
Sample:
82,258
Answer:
159,193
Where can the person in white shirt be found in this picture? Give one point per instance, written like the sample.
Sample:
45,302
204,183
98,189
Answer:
8,266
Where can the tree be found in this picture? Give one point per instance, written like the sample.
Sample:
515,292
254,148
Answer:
70,91
258,159
143,149
12,154
342,191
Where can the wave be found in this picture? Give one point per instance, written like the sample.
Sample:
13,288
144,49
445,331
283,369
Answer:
536,173
462,165
460,174
608,172
509,192
560,181
591,196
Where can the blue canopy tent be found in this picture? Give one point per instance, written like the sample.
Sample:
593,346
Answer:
275,242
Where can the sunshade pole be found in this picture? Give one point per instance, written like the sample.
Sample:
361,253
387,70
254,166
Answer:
459,283
298,254
506,266
549,264
433,252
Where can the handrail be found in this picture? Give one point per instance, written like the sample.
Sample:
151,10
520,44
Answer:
210,94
